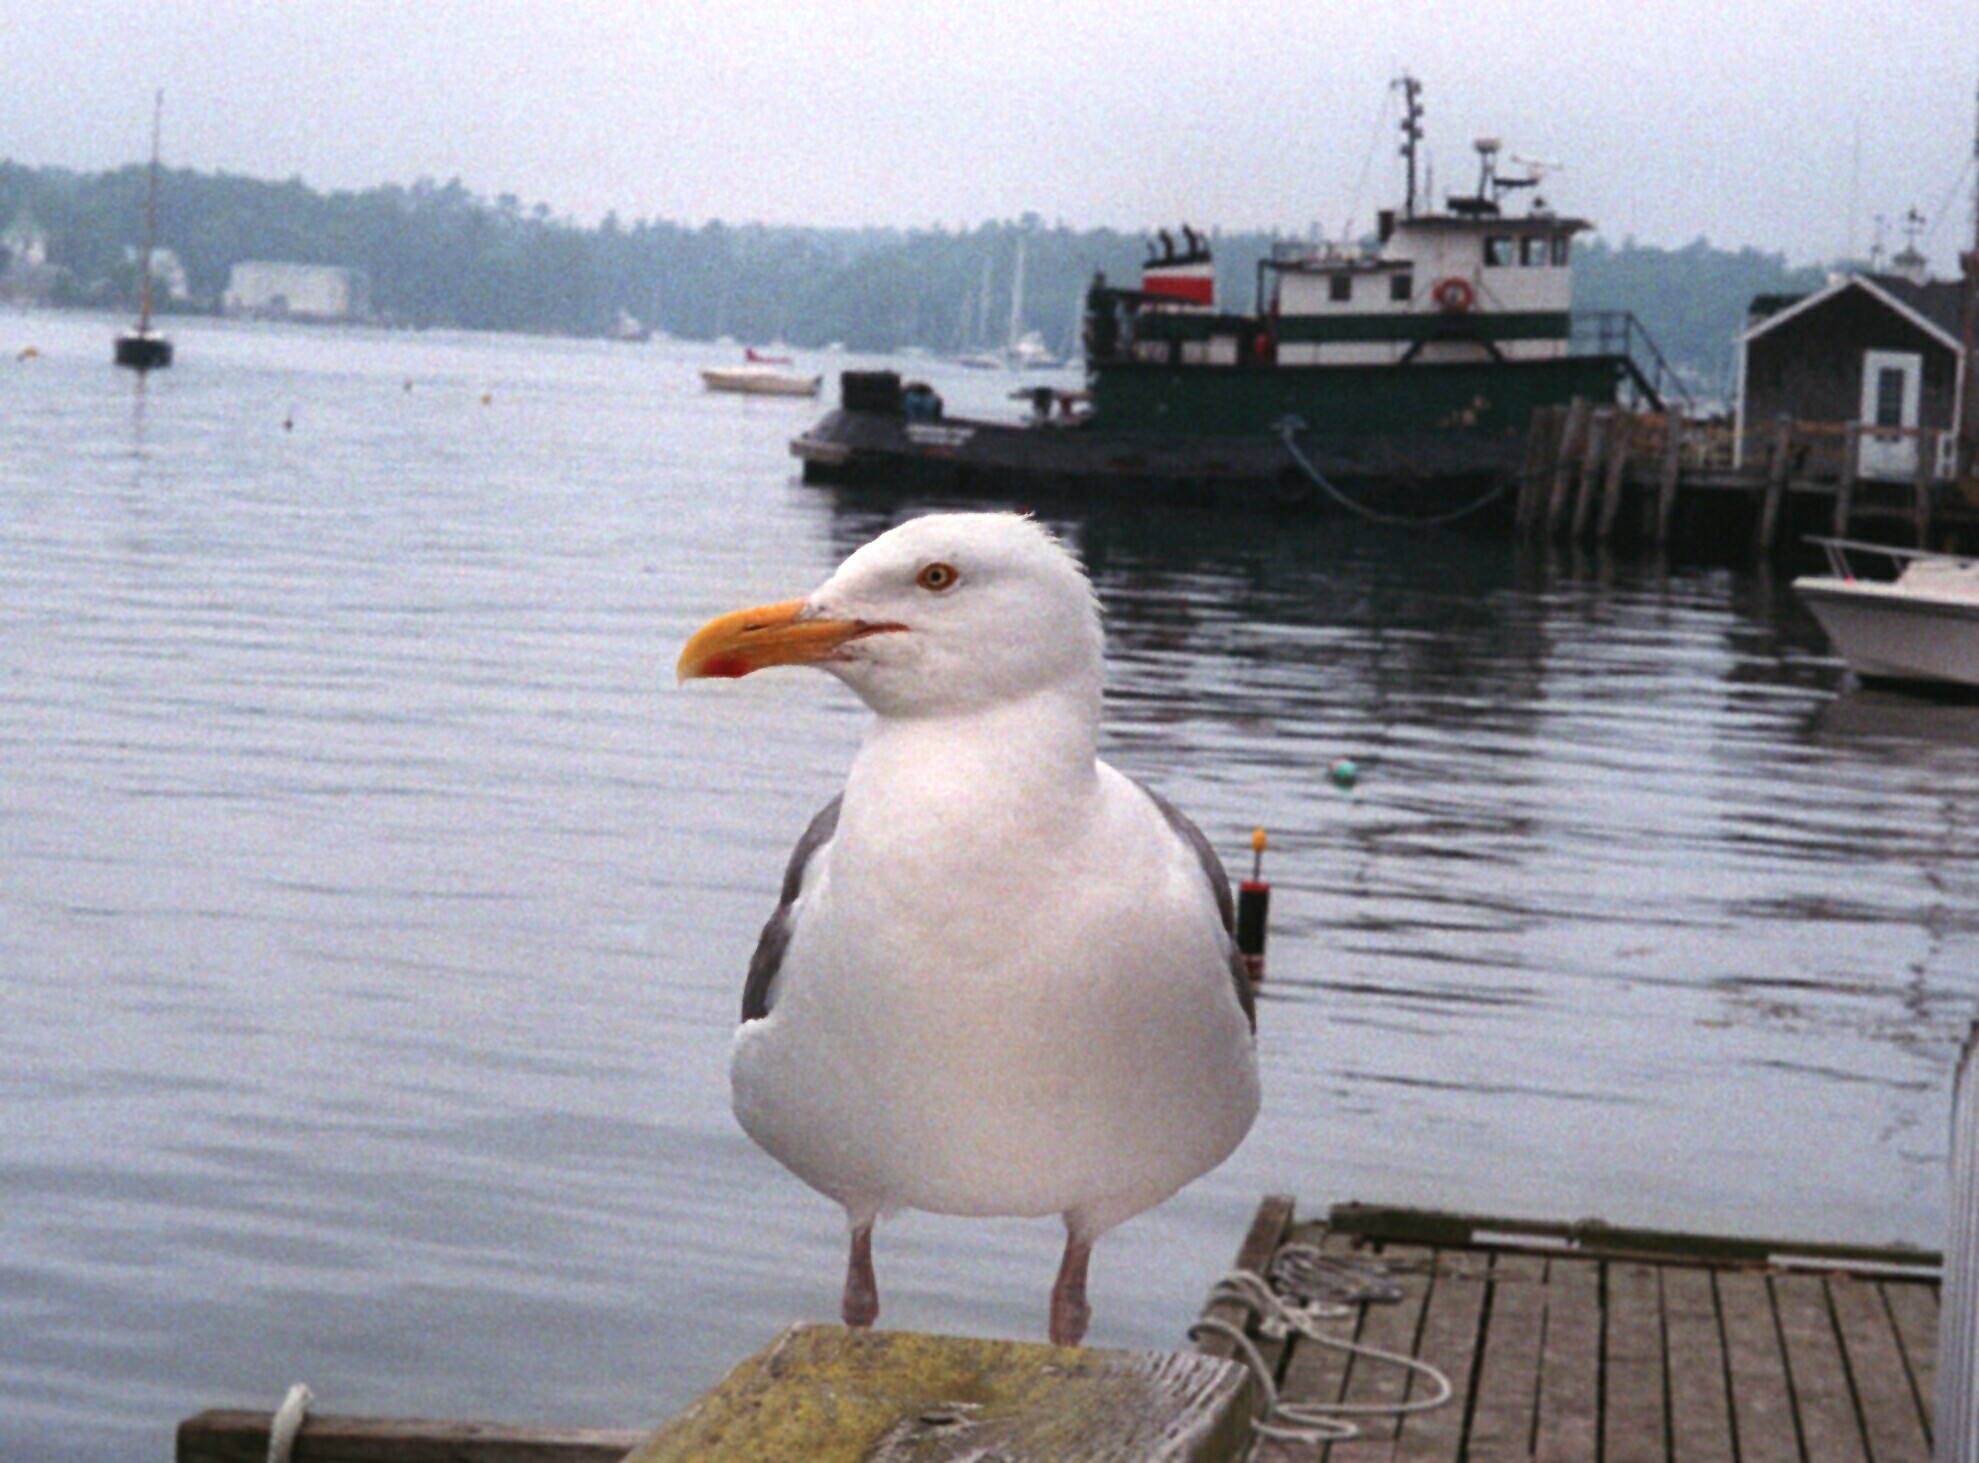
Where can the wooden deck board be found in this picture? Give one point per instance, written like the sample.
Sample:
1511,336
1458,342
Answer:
1392,1327
1570,1364
1700,1406
1891,1420
1314,1374
1829,1429
1632,1413
1762,1402
1913,1308
1504,1414
1581,1343
1451,1322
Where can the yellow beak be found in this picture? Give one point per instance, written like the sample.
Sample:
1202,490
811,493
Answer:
749,640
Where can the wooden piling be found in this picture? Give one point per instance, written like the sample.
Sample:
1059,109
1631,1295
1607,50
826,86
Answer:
1779,463
1621,439
1926,474
1600,434
1573,443
1542,450
1851,467
1670,474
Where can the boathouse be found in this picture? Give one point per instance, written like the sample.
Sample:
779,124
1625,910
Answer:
1878,351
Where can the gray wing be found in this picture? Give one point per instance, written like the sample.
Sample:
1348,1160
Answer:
775,939
1219,885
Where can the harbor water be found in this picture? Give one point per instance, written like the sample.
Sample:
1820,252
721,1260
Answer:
374,908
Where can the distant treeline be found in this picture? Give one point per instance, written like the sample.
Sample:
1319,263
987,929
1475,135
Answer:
437,255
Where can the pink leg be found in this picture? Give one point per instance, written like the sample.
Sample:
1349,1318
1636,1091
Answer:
1069,1311
861,1305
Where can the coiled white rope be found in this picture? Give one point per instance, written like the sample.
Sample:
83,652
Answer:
1302,1267
288,1422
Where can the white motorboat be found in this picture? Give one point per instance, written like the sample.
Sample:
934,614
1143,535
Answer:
755,380
1921,625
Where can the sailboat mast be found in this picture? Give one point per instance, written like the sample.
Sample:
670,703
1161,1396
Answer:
1017,295
150,215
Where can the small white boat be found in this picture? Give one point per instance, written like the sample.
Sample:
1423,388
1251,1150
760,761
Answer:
760,381
1922,625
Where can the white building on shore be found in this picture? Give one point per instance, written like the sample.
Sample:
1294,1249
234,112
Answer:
297,291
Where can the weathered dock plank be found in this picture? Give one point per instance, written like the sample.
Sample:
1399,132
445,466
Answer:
1632,1361
1829,1429
1373,1383
228,1436
1913,1309
1763,1403
1700,1407
1892,1422
1452,1323
1570,1364
1504,1413
1313,1374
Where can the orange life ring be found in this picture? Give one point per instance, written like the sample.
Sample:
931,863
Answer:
1453,295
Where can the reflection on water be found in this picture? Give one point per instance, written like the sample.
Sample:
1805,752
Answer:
373,908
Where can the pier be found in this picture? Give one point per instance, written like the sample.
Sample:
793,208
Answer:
1563,1343
1604,474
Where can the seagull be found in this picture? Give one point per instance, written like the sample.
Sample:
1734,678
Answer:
1001,978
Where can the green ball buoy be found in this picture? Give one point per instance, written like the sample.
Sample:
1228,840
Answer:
1344,773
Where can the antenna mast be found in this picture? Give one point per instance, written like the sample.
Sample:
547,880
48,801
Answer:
1411,134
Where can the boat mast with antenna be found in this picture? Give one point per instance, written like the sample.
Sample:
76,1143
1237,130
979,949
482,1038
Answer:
1411,90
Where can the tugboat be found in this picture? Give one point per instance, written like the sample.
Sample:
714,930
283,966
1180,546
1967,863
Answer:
144,347
1396,378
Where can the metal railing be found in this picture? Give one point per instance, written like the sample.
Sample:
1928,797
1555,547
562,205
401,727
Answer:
1618,333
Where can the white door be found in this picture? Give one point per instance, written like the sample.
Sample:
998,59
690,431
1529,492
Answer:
1891,382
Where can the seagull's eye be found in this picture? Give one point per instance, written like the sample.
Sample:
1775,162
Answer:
937,577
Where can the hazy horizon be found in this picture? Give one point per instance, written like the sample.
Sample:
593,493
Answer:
1779,127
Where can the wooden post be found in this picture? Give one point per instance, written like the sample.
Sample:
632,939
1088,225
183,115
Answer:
1779,461
1622,438
1573,441
1957,1433
1542,447
1926,475
1600,437
831,1395
1668,478
1851,468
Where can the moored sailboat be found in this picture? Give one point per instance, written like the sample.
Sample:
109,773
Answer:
144,347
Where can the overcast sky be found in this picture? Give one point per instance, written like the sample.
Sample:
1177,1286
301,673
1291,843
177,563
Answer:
1784,125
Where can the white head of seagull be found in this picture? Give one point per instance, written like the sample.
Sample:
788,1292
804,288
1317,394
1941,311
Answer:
947,614
1000,979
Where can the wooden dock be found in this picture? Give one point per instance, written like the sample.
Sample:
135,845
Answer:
1604,474
1564,1343
1590,1344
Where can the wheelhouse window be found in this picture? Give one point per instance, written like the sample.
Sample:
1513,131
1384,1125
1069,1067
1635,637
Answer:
1532,251
1559,248
1340,288
1498,249
1401,287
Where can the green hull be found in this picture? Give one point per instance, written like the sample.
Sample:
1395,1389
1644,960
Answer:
1487,398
